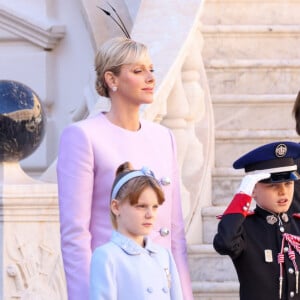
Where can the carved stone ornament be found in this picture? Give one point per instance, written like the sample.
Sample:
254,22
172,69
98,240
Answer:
37,274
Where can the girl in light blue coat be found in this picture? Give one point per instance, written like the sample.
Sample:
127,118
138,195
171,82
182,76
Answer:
131,266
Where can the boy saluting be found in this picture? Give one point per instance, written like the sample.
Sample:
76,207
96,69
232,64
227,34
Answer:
264,245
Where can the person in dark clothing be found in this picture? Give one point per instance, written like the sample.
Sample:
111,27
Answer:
295,207
264,245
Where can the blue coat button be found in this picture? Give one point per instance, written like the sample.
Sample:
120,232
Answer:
150,290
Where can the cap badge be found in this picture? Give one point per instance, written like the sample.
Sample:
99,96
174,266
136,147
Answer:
281,150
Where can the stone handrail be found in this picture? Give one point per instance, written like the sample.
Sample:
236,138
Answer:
182,101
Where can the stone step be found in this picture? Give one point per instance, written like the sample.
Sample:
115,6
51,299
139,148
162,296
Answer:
251,12
253,112
210,222
208,290
253,76
225,182
252,62
273,41
205,262
231,144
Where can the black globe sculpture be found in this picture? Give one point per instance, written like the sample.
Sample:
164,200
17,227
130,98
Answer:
22,121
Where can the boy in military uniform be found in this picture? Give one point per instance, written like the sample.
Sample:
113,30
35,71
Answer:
264,245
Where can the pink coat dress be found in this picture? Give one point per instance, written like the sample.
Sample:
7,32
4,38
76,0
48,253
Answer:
89,153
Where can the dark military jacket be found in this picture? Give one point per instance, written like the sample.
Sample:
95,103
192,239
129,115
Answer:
253,243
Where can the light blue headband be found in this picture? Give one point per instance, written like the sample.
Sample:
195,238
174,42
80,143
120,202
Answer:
143,172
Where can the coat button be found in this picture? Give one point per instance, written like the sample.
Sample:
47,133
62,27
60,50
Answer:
285,249
246,206
292,294
165,181
165,289
291,270
150,290
164,231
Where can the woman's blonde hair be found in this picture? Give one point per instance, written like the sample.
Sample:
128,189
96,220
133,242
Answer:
112,55
133,188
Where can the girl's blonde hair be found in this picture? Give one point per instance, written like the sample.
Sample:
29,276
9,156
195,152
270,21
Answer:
133,188
112,55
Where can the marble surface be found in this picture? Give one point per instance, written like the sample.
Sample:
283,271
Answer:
22,121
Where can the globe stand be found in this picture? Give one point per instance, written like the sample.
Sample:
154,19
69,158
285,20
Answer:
30,258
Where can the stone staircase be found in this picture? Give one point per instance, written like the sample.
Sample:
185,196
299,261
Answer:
252,60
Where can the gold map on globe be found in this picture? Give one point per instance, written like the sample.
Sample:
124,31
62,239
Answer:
22,121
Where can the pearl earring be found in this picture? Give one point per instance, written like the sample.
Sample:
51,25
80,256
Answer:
114,88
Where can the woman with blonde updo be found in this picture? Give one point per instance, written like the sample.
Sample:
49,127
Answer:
91,150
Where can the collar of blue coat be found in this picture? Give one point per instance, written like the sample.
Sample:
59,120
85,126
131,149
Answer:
131,247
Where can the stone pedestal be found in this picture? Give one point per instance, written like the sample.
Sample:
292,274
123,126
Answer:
30,257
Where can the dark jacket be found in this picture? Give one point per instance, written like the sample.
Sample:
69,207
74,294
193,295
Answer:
253,245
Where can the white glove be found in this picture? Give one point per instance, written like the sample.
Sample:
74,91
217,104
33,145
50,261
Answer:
249,181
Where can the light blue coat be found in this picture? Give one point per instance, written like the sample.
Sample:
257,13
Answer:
122,270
